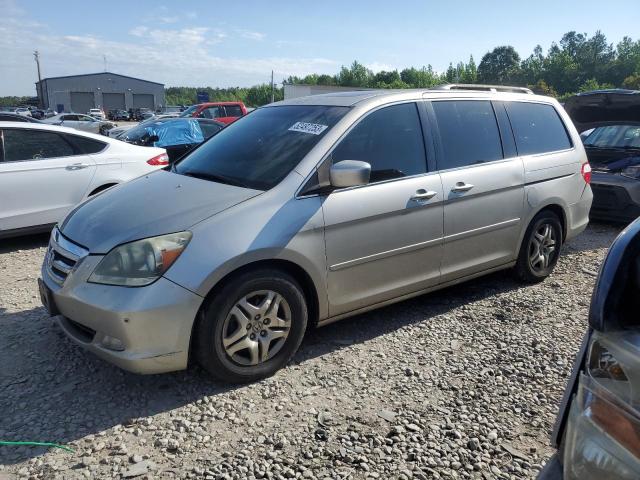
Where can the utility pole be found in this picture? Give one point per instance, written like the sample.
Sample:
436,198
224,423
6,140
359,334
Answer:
272,91
36,56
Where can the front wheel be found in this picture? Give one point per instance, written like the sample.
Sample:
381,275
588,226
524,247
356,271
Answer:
540,248
252,326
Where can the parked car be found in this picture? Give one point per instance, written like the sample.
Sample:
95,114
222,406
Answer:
176,135
96,113
46,170
118,115
81,122
14,117
23,111
311,210
225,112
140,114
613,149
597,432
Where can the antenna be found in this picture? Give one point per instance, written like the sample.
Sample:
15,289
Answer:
104,57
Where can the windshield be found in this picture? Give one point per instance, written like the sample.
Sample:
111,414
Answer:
260,149
614,136
189,111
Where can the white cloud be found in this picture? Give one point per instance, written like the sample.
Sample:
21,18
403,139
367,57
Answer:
191,56
251,35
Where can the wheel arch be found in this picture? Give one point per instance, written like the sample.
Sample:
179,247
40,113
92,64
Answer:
303,278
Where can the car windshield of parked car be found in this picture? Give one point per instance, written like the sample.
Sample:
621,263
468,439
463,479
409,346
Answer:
614,136
189,111
260,149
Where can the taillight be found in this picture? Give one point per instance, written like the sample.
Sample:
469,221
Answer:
162,159
586,172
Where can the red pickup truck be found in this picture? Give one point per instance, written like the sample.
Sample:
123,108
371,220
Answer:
225,112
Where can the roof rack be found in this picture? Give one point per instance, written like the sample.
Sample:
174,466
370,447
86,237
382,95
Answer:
483,88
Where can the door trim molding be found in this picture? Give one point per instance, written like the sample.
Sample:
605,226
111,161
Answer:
476,231
385,254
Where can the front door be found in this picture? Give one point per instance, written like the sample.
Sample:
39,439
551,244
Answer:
384,239
41,177
483,187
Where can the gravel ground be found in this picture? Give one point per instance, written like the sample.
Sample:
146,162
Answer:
462,383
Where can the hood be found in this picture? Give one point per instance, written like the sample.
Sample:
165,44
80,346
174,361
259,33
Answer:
155,204
604,107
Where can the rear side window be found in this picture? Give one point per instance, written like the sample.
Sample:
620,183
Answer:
233,111
34,145
537,128
85,145
390,139
468,132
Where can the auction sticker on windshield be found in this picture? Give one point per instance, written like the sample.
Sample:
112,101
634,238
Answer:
304,127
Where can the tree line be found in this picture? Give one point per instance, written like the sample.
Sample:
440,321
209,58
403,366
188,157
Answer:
577,63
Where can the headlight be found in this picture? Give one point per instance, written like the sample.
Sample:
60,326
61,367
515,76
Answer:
142,262
632,172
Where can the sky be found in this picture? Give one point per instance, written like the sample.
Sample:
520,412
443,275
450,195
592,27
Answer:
237,43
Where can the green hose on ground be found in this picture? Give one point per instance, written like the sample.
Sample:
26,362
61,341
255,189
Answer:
35,444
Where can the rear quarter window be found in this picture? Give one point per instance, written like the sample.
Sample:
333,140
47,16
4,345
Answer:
85,145
537,128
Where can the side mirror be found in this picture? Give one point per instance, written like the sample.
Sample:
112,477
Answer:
349,173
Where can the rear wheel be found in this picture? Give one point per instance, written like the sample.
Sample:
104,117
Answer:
540,248
252,326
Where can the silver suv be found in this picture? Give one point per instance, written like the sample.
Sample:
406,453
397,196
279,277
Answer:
311,210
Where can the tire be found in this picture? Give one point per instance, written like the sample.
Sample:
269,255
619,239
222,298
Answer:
245,327
544,237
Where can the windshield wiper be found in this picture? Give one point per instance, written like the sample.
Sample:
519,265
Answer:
213,177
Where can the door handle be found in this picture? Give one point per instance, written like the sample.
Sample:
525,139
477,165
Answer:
462,187
77,166
423,194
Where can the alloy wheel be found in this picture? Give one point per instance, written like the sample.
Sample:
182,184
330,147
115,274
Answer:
542,247
256,327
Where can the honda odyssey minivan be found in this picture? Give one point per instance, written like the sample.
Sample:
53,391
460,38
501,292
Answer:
311,210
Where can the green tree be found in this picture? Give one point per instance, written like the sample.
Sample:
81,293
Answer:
500,66
355,76
632,82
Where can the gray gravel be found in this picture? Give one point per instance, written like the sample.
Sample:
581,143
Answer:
462,383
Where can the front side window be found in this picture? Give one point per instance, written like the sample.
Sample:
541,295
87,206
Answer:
614,136
390,140
211,112
68,118
537,128
468,133
34,145
259,150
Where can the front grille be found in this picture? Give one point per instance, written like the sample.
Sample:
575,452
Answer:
62,256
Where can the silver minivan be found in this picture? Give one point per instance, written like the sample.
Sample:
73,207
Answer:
311,210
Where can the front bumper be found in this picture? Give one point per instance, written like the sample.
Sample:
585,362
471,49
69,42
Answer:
151,325
615,198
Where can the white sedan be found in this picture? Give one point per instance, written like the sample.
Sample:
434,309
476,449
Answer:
46,170
80,122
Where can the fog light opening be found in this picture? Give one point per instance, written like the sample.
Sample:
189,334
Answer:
112,343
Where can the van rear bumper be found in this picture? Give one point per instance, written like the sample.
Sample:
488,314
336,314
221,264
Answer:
578,214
